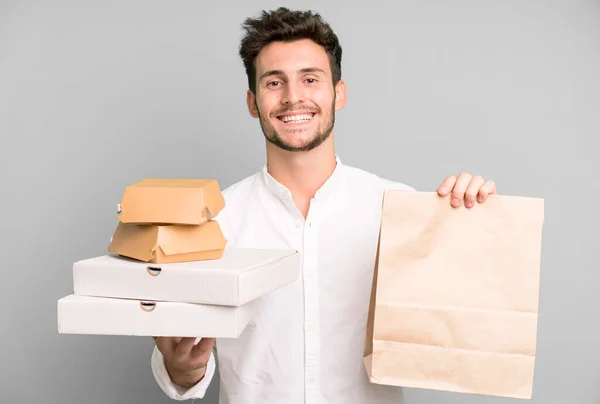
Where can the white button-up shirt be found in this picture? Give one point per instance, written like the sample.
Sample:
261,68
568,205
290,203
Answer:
306,342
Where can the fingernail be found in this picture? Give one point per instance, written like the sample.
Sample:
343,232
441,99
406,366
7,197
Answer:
480,198
468,204
455,202
443,190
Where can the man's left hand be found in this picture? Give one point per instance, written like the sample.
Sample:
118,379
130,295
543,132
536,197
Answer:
468,188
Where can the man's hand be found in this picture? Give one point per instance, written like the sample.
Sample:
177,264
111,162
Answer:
471,189
185,362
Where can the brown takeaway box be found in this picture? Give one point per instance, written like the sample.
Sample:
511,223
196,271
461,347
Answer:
168,243
171,201
166,220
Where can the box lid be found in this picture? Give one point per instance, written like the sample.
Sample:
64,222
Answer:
142,241
171,201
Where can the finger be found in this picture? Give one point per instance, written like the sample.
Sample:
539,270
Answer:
472,190
489,188
203,348
185,345
447,185
164,344
458,193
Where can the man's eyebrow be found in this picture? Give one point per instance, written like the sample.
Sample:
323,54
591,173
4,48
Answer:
312,70
269,73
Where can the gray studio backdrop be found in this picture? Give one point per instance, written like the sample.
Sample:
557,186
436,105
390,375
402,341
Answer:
97,95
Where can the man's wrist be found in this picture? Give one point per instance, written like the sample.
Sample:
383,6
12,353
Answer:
188,379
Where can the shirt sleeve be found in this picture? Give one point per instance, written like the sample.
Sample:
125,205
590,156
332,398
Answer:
176,392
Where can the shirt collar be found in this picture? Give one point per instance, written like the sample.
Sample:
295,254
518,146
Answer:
279,189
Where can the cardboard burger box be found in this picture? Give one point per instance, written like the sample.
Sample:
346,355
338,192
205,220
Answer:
168,271
169,220
171,201
168,243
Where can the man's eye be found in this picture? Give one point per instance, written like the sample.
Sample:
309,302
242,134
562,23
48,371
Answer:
273,83
311,80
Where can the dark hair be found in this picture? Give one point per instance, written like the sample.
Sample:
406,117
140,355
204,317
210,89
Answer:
285,25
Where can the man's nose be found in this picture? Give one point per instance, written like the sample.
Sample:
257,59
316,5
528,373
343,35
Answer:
293,94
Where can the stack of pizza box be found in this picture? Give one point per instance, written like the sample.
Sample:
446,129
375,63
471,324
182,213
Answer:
169,270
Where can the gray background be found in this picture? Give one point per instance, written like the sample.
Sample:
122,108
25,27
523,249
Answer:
95,96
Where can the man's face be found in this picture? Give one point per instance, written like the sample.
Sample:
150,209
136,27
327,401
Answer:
295,98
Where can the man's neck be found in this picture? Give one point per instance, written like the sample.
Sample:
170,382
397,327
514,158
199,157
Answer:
303,173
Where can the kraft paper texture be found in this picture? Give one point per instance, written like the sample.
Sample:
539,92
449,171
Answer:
454,302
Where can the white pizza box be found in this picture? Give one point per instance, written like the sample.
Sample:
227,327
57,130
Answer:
238,277
131,317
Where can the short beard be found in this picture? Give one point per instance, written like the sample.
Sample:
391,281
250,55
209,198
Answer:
276,140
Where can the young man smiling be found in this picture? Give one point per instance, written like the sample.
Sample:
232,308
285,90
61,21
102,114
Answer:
306,341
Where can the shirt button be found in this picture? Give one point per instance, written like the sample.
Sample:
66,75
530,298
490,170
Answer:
298,224
311,328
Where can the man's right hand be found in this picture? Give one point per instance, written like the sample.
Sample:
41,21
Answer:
185,362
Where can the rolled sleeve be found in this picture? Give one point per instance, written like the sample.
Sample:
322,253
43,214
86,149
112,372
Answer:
176,392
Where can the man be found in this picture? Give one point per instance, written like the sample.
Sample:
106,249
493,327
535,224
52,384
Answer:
305,344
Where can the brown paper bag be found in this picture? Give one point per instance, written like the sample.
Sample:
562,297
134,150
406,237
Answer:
454,300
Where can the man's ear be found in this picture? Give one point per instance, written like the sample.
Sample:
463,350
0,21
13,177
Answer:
251,102
340,95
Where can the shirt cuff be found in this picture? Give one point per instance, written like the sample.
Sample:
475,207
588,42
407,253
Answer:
176,392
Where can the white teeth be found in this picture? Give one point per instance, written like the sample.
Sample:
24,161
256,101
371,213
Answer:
297,118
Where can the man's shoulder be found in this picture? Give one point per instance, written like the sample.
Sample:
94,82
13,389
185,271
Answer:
362,177
241,189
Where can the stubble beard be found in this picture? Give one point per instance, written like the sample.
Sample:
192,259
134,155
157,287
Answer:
320,136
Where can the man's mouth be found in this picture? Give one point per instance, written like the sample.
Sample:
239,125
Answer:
296,118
